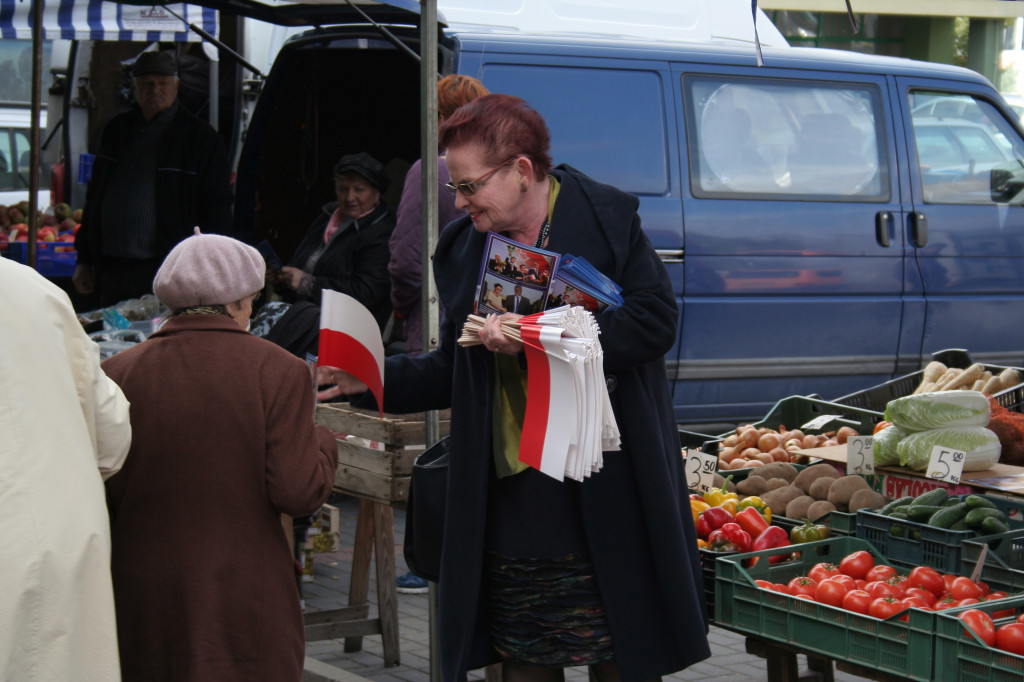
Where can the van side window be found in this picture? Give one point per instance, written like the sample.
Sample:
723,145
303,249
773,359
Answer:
589,112
776,139
6,161
967,152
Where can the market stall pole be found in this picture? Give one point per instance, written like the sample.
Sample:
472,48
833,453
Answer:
375,456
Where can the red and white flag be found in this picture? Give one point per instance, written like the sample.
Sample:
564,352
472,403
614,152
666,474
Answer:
550,425
350,340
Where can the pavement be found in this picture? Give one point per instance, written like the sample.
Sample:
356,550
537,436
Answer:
327,661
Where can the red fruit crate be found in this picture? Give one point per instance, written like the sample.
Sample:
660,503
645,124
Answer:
53,259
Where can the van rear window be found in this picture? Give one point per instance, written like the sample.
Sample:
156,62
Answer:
608,123
783,139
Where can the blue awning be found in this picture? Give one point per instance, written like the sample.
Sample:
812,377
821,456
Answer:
99,20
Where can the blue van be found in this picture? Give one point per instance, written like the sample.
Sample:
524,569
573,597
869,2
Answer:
829,219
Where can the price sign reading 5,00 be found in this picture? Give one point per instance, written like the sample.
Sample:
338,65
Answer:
946,464
700,470
860,455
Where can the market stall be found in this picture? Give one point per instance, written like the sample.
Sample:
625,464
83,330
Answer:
945,517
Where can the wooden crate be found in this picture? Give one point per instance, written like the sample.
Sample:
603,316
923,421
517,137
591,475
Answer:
378,473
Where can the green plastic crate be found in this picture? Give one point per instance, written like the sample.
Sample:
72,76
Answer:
1004,561
961,657
920,543
902,648
841,524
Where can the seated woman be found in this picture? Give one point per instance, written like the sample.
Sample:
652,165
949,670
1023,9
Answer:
346,247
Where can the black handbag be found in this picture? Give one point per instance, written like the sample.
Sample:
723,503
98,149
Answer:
424,515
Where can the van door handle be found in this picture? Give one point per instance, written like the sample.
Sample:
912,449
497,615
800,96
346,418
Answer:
919,229
882,221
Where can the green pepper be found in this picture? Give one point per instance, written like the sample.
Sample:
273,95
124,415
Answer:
809,532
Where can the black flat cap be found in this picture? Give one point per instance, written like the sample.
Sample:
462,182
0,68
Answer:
154,63
367,166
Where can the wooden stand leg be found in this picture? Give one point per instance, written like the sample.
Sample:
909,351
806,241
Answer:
359,582
387,601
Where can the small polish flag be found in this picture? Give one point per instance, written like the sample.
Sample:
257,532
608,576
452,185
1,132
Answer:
350,340
550,424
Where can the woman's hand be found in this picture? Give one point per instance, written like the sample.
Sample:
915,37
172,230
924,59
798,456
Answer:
289,277
344,383
495,340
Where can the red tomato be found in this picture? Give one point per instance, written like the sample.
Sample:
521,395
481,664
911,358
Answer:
921,593
802,585
830,592
985,589
1010,638
879,589
860,583
858,564
928,578
880,572
963,588
881,425
804,596
993,596
846,581
823,570
981,624
764,584
781,588
857,601
948,579
900,583
916,603
968,601
1020,618
943,604
885,607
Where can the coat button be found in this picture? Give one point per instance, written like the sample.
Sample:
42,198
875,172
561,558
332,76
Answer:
611,382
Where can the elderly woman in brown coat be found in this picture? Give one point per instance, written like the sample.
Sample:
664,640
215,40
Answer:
223,444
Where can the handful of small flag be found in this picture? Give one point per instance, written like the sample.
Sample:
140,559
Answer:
569,420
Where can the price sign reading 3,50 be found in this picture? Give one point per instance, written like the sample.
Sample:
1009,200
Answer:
860,455
700,470
946,464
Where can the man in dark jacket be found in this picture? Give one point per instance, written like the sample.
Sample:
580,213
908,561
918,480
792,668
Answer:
158,173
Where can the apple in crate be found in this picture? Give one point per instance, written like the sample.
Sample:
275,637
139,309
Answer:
47,234
19,232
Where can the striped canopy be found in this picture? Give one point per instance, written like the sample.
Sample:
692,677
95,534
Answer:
99,20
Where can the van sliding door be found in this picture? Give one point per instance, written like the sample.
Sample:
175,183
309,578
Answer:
793,266
966,220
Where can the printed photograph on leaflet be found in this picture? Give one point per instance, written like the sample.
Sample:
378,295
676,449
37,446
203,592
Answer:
518,278
512,272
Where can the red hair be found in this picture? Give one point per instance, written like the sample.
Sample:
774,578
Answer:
505,126
455,90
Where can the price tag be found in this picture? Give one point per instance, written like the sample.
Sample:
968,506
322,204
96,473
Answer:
946,464
700,470
819,421
860,455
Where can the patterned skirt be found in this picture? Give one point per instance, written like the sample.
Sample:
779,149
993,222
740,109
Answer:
547,611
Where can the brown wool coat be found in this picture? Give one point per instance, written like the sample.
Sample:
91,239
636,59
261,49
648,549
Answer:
223,444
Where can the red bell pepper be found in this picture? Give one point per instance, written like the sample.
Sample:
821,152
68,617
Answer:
716,517
729,538
750,520
770,538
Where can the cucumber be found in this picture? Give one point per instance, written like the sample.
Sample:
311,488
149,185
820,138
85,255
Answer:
975,517
947,516
959,525
920,513
894,505
931,498
952,501
992,525
977,502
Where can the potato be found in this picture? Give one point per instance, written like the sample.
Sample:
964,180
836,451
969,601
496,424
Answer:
779,470
842,489
797,508
752,485
819,509
780,497
776,483
812,473
819,489
865,498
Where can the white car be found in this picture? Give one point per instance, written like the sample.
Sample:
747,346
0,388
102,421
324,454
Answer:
15,146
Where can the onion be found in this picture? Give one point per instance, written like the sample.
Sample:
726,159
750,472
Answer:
769,441
779,455
750,453
842,434
730,441
810,442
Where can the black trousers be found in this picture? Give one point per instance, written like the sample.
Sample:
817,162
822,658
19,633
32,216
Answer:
118,279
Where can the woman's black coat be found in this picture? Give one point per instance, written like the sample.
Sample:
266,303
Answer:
636,509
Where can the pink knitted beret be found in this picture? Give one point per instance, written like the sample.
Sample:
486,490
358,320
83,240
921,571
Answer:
208,269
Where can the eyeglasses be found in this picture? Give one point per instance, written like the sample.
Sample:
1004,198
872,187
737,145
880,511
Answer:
470,188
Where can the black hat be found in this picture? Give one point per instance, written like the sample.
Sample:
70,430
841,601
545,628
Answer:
158,63
367,166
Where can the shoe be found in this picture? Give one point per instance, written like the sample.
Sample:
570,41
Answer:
411,584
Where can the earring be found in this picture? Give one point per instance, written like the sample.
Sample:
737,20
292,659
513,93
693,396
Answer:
522,186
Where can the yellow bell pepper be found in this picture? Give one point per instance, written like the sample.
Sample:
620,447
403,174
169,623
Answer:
697,507
702,544
716,496
731,505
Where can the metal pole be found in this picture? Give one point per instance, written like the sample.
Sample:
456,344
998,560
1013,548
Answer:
33,163
428,220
